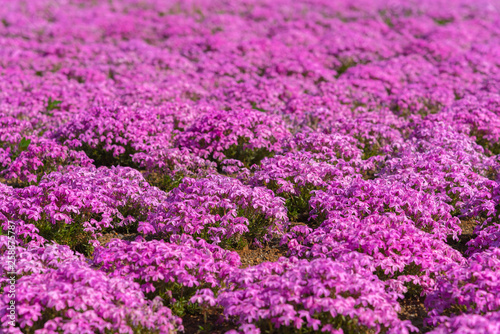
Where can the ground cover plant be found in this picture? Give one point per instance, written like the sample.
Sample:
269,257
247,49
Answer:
211,166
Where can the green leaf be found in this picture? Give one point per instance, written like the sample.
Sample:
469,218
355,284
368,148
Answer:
53,104
443,21
23,144
254,106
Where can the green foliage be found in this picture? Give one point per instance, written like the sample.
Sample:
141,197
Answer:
175,296
386,17
255,107
258,224
443,21
234,243
370,147
246,156
72,235
183,306
298,207
52,105
164,181
346,64
102,157
491,148
23,144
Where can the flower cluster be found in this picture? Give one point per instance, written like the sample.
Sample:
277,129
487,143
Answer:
295,175
245,135
111,134
362,198
219,209
466,292
173,271
471,288
76,205
321,295
470,323
398,249
35,158
440,160
326,146
56,291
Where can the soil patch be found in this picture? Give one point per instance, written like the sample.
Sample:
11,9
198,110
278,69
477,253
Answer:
467,227
107,237
413,309
215,324
252,257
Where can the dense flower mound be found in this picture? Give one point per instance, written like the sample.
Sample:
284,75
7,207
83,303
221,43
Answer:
479,115
245,135
35,157
327,146
219,209
362,198
57,291
359,139
114,129
448,164
294,171
466,292
172,270
487,232
375,131
295,175
398,249
111,134
321,295
10,219
76,205
34,259
471,288
486,238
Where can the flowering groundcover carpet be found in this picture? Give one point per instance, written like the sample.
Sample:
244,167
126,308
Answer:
250,166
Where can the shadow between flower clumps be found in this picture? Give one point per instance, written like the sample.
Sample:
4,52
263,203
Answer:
214,323
251,256
413,309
